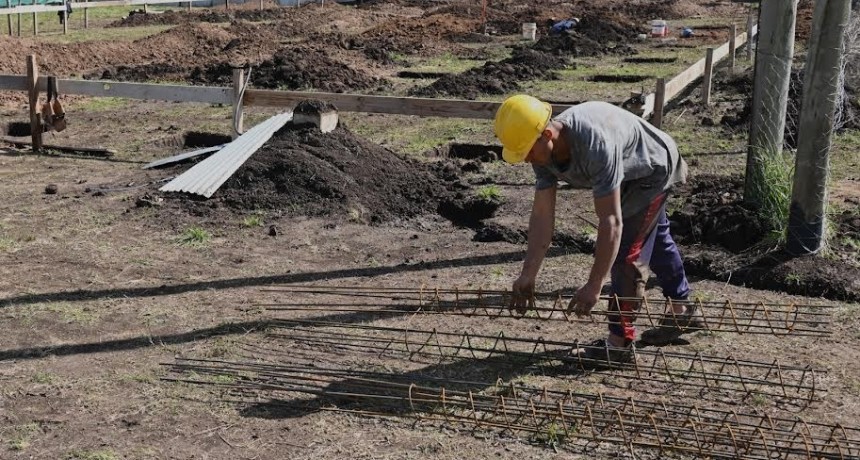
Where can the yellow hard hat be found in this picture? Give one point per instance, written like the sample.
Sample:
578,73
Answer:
519,122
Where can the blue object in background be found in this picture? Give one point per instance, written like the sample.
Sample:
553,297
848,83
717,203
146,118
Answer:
563,26
686,32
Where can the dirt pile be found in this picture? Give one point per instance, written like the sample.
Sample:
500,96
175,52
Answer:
302,68
712,212
576,45
496,77
301,171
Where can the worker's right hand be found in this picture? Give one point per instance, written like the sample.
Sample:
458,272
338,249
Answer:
523,291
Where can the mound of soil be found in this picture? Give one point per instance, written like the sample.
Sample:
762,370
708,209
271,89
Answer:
713,213
291,68
304,172
302,68
578,45
496,77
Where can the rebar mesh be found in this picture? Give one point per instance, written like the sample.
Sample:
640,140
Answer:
586,418
710,376
718,316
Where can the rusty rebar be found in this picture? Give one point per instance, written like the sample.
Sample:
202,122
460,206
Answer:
516,408
796,385
717,316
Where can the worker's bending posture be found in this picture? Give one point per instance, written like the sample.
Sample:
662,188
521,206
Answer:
631,167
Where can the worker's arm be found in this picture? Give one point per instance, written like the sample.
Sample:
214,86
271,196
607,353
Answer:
541,225
609,229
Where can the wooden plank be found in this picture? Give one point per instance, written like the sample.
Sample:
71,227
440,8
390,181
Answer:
33,93
178,93
708,77
31,9
379,104
659,102
733,30
238,116
677,84
64,148
13,83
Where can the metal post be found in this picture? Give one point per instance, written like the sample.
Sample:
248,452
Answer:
821,87
33,93
659,102
86,16
238,116
733,32
708,77
9,20
35,23
19,24
774,55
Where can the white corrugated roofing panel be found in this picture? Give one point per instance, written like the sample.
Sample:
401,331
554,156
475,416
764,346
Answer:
183,156
206,177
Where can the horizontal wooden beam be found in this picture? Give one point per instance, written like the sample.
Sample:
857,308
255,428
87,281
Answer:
76,6
177,93
425,107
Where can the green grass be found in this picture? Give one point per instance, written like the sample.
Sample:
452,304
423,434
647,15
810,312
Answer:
22,436
773,191
489,193
195,237
414,135
70,313
44,378
255,220
102,104
103,454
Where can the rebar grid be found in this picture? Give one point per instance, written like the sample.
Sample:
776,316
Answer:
718,316
515,408
788,384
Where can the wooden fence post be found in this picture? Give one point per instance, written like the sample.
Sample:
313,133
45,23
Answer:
35,23
145,9
750,22
238,116
659,102
19,24
86,16
33,92
708,77
733,32
9,23
261,5
189,7
65,17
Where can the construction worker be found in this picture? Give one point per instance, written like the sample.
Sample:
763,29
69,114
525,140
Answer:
631,167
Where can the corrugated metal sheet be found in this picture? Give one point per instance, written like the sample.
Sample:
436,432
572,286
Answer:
183,156
208,175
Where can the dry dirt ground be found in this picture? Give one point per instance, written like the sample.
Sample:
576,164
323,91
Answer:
107,284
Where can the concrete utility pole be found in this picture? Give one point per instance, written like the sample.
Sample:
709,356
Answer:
774,54
821,87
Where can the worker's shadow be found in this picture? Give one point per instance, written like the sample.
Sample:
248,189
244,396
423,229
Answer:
416,391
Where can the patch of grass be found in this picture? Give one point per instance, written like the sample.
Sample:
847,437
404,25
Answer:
490,192
22,435
758,400
412,135
45,378
255,220
138,378
104,454
195,237
102,104
793,278
773,189
221,347
72,314
497,272
7,245
553,435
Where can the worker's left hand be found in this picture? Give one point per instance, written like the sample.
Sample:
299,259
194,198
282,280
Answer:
585,299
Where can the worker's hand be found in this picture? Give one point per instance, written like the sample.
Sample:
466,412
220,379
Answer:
523,295
585,299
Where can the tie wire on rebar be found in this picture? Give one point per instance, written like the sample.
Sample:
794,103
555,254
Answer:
515,408
790,384
717,316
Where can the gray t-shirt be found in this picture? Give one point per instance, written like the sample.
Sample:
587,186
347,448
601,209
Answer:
611,148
